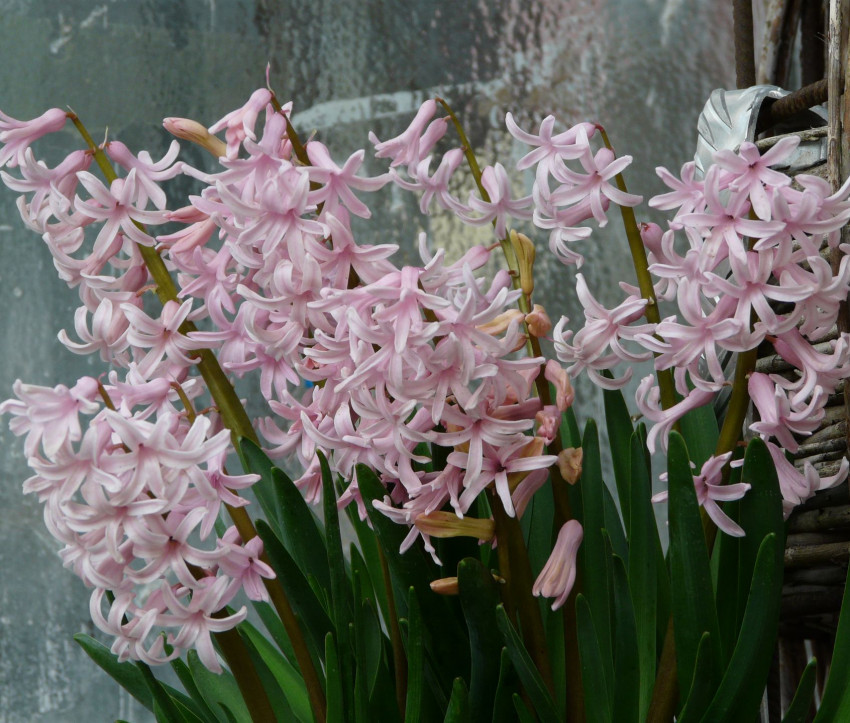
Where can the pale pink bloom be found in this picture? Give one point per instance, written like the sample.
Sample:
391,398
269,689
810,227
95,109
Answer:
595,184
604,331
243,564
195,617
134,628
239,124
108,335
558,575
434,186
648,398
551,150
49,186
749,171
777,417
116,207
711,490
16,136
337,183
162,337
825,369
687,195
50,416
416,141
797,486
148,173
548,422
501,205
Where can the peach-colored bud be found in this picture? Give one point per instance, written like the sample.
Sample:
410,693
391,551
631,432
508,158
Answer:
445,586
525,252
548,422
559,574
564,394
500,324
569,463
193,131
448,524
538,322
186,214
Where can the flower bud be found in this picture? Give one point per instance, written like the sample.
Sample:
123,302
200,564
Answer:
193,131
445,586
538,322
564,394
500,324
448,524
525,252
569,463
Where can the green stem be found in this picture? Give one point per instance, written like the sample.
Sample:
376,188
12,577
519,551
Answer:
399,657
236,419
641,264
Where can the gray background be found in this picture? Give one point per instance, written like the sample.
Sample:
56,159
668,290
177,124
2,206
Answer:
642,68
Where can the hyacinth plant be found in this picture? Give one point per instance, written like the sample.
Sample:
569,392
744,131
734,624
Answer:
493,575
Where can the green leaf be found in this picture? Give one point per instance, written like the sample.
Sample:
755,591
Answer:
626,660
188,682
799,709
740,691
597,700
297,526
336,704
596,564
702,686
524,715
268,615
340,587
127,675
415,661
508,685
620,430
525,668
218,689
570,431
835,702
479,598
368,636
287,676
760,513
166,708
458,710
694,612
305,604
643,569
700,432
372,557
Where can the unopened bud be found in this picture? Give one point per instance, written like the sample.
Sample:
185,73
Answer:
193,131
448,524
538,322
533,449
525,252
500,324
445,586
569,463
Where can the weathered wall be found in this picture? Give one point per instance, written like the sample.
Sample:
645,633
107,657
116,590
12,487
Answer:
641,67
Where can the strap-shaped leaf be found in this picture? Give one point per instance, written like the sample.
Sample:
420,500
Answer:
694,612
508,686
626,660
799,709
218,689
297,526
528,673
835,703
620,430
594,555
740,691
458,710
334,691
316,624
597,694
479,598
189,685
127,675
287,676
415,660
645,551
341,604
702,686
700,432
